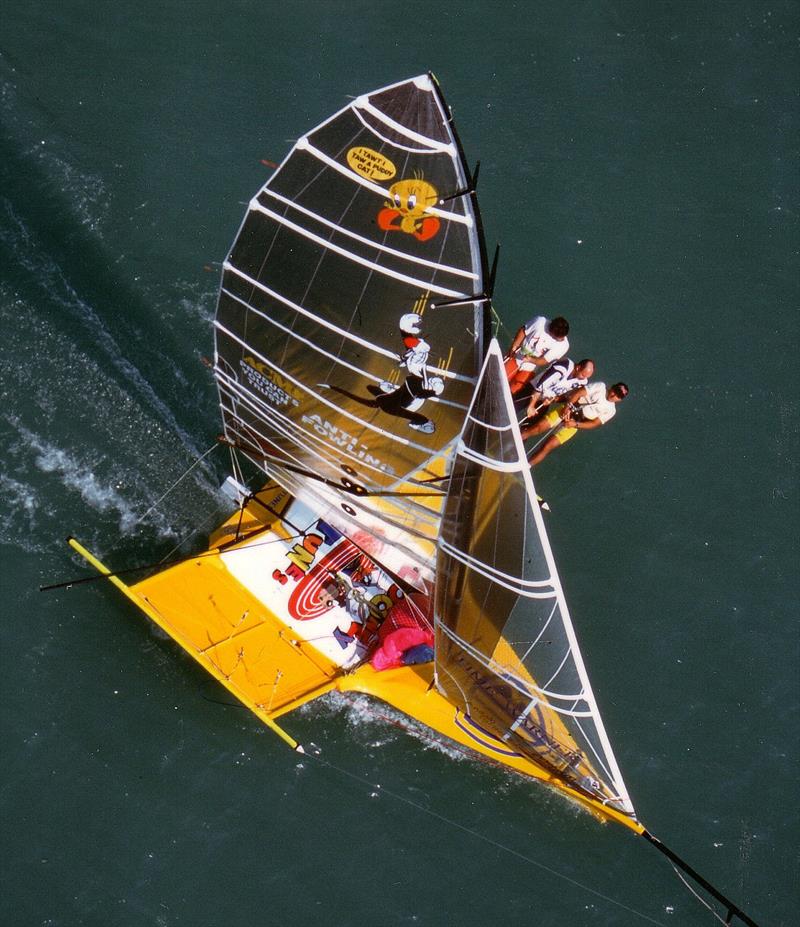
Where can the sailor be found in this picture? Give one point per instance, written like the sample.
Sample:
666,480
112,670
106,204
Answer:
581,409
535,345
560,378
406,399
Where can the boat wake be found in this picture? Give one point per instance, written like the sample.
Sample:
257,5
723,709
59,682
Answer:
375,724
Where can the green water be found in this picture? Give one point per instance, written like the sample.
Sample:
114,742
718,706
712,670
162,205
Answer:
639,168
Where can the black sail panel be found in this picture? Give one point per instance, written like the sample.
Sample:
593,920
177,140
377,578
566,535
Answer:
350,321
506,651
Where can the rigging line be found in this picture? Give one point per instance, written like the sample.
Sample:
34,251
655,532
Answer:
480,836
672,856
223,548
699,898
198,529
354,489
183,476
544,437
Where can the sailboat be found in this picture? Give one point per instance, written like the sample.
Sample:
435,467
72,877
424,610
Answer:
393,544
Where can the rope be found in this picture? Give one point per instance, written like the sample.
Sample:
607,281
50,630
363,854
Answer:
498,322
158,501
543,438
214,515
701,900
483,837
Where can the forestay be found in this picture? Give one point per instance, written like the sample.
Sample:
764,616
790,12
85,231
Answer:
352,319
506,651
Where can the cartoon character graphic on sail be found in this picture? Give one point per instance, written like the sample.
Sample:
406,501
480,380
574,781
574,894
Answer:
406,208
406,399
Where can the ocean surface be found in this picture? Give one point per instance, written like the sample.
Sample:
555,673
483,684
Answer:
640,171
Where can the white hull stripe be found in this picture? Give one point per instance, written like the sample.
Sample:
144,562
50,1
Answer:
445,268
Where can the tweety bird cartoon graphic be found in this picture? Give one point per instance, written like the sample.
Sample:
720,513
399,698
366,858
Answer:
405,210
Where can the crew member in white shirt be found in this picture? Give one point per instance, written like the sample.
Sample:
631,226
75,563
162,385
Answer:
580,410
560,378
535,345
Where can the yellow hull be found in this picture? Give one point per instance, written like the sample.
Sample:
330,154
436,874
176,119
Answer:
270,664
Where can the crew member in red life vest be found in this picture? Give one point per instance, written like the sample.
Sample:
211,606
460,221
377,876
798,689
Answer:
535,345
405,637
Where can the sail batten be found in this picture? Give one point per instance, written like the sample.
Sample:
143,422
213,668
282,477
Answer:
352,256
448,215
506,649
423,262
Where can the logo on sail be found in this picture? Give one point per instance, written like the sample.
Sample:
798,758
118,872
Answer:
407,206
370,164
275,388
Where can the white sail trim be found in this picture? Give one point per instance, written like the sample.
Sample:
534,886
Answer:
311,443
406,508
487,425
392,355
508,581
334,359
523,686
303,144
389,141
423,262
490,463
364,103
351,256
311,345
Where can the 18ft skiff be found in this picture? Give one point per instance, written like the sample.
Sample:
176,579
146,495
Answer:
356,369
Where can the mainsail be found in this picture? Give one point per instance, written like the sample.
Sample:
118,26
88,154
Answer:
352,319
506,651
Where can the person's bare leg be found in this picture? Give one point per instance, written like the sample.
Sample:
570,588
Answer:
536,427
550,444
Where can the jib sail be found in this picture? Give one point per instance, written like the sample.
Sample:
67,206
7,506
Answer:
352,317
506,651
